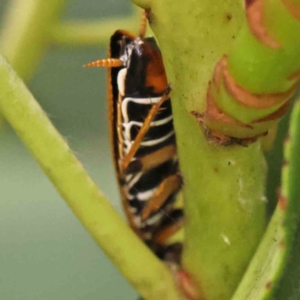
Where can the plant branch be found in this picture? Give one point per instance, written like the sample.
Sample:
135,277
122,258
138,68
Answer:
267,270
224,196
143,3
92,33
134,260
25,33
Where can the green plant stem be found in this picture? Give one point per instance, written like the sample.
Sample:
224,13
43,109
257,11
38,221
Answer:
2,123
97,33
224,209
267,274
143,3
24,42
134,260
266,263
223,186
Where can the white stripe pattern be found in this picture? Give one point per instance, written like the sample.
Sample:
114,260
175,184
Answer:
143,101
147,195
127,126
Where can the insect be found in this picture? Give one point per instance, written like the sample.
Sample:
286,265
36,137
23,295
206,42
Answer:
143,140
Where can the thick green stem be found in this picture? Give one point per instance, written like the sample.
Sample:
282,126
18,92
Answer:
134,260
26,32
224,209
223,186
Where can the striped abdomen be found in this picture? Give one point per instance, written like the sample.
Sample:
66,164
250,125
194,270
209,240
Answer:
140,185
154,165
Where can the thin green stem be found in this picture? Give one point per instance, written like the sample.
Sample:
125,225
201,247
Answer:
94,33
2,123
134,260
266,263
142,3
83,33
25,32
268,267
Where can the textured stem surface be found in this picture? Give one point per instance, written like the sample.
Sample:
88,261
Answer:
223,186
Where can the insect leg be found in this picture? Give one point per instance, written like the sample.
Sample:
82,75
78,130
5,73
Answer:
167,187
143,130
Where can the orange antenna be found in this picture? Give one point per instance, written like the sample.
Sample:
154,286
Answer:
143,25
106,63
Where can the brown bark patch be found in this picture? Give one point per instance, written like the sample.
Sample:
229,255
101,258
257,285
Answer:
282,202
255,15
293,8
188,287
213,112
222,139
248,3
275,115
242,95
269,285
282,244
295,76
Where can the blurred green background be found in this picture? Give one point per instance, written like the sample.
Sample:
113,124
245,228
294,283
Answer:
45,253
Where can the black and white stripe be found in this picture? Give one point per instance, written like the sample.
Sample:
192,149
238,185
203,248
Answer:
140,187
